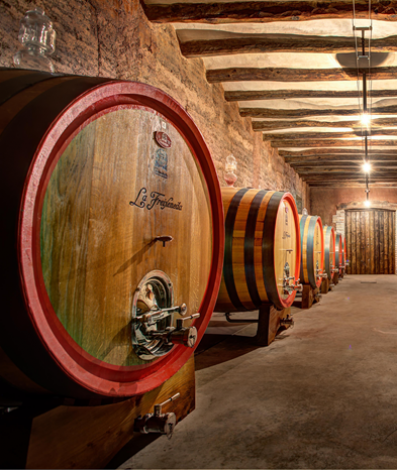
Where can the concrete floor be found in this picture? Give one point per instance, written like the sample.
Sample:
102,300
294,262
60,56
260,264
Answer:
323,395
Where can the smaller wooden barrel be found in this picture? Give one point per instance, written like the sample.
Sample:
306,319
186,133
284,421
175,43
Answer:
338,253
312,249
329,251
262,250
343,270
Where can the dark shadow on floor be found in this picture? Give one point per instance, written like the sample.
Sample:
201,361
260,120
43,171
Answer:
131,448
225,350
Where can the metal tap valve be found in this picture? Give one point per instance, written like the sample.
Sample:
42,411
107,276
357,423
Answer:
157,422
179,335
324,275
298,287
186,336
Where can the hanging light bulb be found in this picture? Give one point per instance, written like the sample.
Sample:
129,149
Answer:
365,119
367,203
367,167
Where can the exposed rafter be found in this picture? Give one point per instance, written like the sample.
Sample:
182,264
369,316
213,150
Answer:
280,74
352,184
324,151
265,43
278,124
324,159
298,94
353,165
297,113
323,143
266,12
326,135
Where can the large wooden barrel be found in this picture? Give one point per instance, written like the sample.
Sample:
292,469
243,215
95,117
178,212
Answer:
262,250
312,249
338,252
329,251
112,212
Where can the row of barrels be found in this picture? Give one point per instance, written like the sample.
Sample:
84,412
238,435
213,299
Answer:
115,242
270,250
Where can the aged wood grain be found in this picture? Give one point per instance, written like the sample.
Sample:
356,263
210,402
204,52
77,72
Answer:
279,124
342,160
274,74
90,436
297,113
324,143
266,12
65,223
259,43
97,246
328,135
336,164
294,94
370,235
325,151
351,184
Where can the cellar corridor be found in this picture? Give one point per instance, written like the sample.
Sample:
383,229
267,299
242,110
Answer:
321,396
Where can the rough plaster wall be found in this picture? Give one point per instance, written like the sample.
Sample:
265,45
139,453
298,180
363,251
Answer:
113,38
324,202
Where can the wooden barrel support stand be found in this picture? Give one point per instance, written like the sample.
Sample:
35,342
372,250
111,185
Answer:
113,251
261,262
312,260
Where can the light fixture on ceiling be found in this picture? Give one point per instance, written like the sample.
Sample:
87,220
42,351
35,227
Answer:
365,119
366,167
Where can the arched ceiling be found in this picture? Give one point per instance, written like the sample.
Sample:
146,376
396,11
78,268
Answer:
291,67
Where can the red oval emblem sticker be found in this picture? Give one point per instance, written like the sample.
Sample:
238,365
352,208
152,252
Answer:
162,139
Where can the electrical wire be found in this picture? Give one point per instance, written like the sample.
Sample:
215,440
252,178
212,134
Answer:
367,90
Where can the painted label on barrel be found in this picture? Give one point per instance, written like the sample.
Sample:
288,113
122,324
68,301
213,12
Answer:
163,139
156,200
161,163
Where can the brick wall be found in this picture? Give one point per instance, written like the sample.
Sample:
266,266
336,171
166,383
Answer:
326,201
113,38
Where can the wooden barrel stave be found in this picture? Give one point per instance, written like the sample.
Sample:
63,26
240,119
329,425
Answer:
50,102
249,279
312,249
329,251
338,252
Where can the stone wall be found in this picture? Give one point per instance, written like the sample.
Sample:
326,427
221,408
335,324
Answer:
113,38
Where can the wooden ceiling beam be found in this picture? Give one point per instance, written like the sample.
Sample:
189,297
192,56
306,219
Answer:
267,12
296,162
350,165
309,170
281,74
324,143
276,124
265,43
349,175
326,135
352,185
297,94
325,151
302,113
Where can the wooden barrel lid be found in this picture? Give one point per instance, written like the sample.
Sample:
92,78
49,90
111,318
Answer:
121,215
